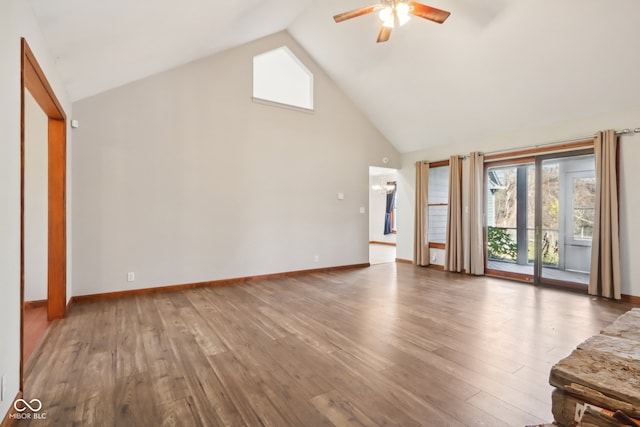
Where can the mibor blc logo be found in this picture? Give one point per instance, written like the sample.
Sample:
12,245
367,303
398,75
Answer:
28,410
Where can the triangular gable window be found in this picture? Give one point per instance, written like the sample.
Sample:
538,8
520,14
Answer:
280,77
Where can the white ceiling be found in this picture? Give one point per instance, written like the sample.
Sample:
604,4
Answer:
494,66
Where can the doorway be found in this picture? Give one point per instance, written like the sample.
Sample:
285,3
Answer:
34,81
382,214
35,216
540,213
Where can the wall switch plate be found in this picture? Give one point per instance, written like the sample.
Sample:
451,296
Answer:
340,196
131,276
361,209
316,258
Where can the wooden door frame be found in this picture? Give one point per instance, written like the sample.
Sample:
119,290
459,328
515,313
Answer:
33,79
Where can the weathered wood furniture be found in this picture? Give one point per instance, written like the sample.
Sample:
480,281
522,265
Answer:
603,371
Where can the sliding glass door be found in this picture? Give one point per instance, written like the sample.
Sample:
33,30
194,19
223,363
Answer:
540,213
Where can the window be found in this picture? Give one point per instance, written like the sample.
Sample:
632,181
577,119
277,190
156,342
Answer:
280,77
438,202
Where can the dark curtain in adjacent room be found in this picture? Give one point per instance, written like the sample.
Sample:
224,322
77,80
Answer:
391,202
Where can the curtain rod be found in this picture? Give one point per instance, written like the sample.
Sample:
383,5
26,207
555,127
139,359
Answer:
564,141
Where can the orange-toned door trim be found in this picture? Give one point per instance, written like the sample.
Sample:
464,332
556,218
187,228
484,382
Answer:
34,80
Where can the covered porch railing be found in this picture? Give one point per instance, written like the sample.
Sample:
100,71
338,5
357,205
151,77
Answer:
502,246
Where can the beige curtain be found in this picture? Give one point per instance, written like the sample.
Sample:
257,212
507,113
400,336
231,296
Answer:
476,213
420,241
454,251
605,251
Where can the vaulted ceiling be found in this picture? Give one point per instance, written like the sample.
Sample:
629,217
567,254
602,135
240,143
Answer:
494,66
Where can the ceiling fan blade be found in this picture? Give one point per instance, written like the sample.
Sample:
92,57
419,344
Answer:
428,12
354,13
385,33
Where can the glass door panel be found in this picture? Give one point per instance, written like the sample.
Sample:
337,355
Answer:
510,220
567,198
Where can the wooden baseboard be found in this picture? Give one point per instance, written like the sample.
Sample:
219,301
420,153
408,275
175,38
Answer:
376,242
631,299
223,282
436,267
404,261
7,420
35,304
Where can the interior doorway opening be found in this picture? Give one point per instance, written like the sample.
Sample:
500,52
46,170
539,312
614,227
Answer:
34,81
35,216
383,186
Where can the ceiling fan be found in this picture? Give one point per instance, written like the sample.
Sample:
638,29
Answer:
395,13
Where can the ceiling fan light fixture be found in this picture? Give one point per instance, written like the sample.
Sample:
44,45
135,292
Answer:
403,9
386,16
397,14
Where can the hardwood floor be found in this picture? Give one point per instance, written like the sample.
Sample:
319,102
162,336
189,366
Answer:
35,327
392,345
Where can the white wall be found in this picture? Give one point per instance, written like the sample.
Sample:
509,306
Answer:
378,207
16,20
35,201
181,178
629,174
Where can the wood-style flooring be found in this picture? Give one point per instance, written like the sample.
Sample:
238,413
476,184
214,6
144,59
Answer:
35,327
389,345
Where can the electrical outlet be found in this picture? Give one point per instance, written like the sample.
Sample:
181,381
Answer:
316,258
131,276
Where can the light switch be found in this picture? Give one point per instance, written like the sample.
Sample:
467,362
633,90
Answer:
340,196
361,209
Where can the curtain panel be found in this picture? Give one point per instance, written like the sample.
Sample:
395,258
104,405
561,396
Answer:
476,213
391,201
454,251
421,241
604,279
